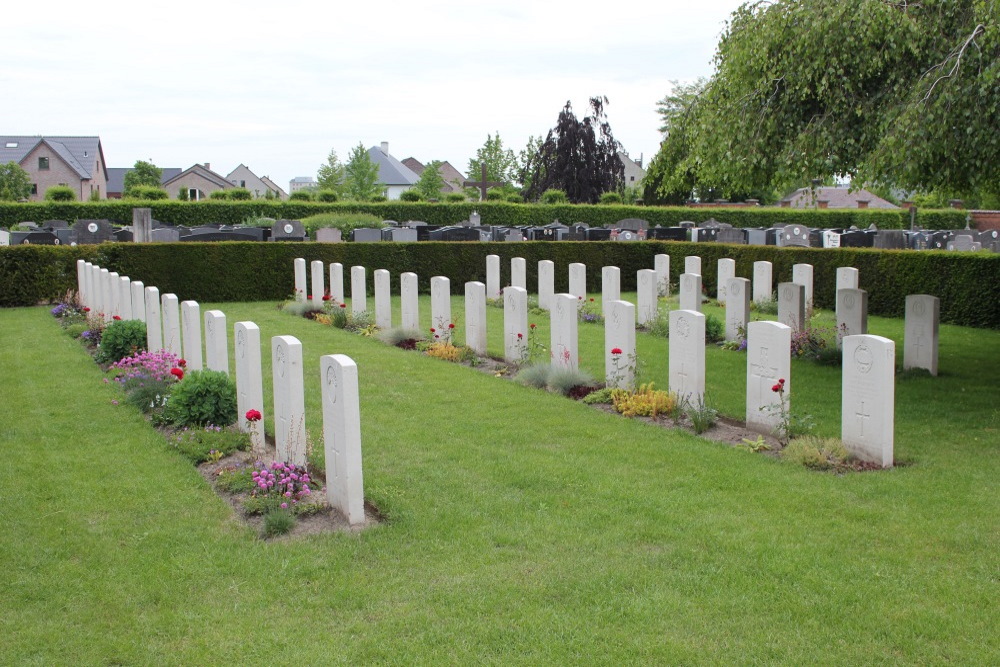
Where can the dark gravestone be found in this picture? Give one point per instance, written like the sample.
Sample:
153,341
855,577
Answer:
366,235
631,224
214,235
667,234
598,234
534,233
455,234
857,239
732,235
921,240
253,233
52,225
329,235
400,235
424,232
91,232
816,238
989,237
288,230
762,236
793,236
66,236
941,239
166,235
123,235
35,237
890,239
627,235
705,234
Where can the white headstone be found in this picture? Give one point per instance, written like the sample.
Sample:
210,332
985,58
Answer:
249,383
619,342
104,295
692,264
345,487
611,285
300,279
171,312
726,271
191,334
410,304
440,304
318,288
337,282
769,359
578,281
88,285
920,348
792,305
687,355
289,400
138,300
216,342
737,307
690,292
515,324
81,280
868,398
762,281
4,237
563,350
645,287
518,272
661,264
359,291
114,296
493,276
852,313
383,300
125,298
154,325
847,278
475,317
546,283
803,275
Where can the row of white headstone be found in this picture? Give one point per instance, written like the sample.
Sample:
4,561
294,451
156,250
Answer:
176,328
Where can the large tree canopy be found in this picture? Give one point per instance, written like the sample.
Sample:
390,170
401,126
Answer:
885,91
501,163
15,182
142,174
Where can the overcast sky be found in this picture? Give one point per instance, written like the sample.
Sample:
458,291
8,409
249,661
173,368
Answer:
276,85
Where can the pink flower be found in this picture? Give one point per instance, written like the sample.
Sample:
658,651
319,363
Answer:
284,506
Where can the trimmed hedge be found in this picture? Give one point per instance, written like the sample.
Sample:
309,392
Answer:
263,271
499,213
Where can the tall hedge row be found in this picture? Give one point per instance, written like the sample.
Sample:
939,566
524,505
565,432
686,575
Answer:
491,213
263,271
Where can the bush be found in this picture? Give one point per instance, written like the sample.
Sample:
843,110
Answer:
611,198
300,195
454,197
146,193
715,329
410,195
327,196
563,380
816,453
218,195
60,193
553,196
203,397
646,401
208,443
536,375
514,199
238,194
345,222
121,339
495,194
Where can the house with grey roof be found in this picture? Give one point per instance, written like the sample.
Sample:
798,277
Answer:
840,196
453,178
198,180
116,179
77,162
242,177
393,174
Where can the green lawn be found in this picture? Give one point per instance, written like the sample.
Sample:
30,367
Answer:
522,527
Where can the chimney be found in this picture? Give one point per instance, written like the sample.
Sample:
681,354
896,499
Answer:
823,203
385,147
863,203
208,165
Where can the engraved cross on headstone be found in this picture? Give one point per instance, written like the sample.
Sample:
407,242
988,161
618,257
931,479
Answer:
862,415
764,373
483,185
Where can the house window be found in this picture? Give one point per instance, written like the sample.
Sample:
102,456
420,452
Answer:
11,144
631,178
34,188
243,184
194,194
43,164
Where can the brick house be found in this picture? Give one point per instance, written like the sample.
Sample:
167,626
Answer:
198,180
77,162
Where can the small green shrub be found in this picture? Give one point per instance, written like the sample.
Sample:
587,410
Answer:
766,306
611,198
378,198
702,416
345,222
209,443
646,401
599,396
327,196
121,338
514,199
278,522
553,196
495,194
239,194
76,329
218,195
146,193
410,195
60,193
659,326
203,397
454,197
148,395
563,380
536,375
236,479
300,195
715,329
817,453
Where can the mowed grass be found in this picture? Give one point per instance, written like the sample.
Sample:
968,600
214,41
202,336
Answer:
522,527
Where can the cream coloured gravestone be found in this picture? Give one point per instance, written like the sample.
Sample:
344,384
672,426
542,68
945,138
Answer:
687,355
114,296
300,279
546,283
289,400
138,300
383,300
619,335
803,275
737,307
125,298
769,359
342,436
645,287
81,279
518,272
87,292
515,324
191,334
852,313
104,299
337,282
661,264
920,346
692,264
847,278
726,271
317,286
409,303
249,382
690,292
216,342
792,305
493,276
611,285
4,237
440,304
868,398
475,317
563,349
578,281
762,281
359,291
171,313
154,325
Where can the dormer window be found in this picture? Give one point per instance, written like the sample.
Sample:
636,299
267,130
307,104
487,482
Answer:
11,144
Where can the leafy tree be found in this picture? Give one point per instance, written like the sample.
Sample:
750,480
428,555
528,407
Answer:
670,177
15,182
60,193
501,163
331,174
361,175
885,92
142,173
579,157
431,181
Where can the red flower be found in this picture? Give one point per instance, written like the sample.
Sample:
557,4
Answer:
433,329
310,297
591,298
616,350
532,326
182,363
253,415
781,381
327,297
116,317
86,310
451,325
436,336
520,336
776,388
177,373
343,305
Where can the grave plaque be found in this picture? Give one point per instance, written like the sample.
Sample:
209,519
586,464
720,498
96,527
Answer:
4,237
216,343
690,292
868,401
515,325
803,275
316,283
687,355
125,298
578,280
337,282
154,325
36,237
288,230
920,348
171,313
794,236
563,350
737,236
518,273
769,359
165,235
409,304
366,235
619,344
726,270
89,232
403,235
611,285
475,317
492,276
138,301
329,235
113,304
692,264
299,266
342,436
289,400
847,278
890,239
546,283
